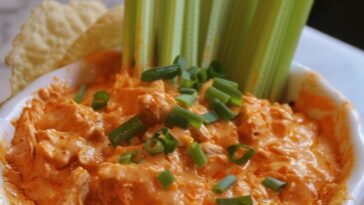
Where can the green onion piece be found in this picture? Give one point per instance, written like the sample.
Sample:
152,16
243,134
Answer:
197,155
169,142
229,83
181,61
126,131
187,91
175,120
166,178
273,183
80,94
232,153
202,75
165,73
100,100
216,69
243,200
234,93
187,99
131,157
210,117
186,80
222,110
153,146
212,93
193,119
224,184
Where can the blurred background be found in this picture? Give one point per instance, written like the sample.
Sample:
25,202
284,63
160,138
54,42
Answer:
332,44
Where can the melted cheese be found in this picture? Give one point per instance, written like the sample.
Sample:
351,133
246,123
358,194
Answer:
61,154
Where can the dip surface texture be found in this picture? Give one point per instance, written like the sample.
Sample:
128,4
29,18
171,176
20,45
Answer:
61,153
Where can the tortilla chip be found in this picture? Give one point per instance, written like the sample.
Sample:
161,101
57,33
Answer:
45,37
104,34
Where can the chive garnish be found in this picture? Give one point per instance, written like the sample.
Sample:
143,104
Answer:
187,91
224,184
243,200
197,155
175,120
166,178
229,83
126,131
131,157
273,183
212,93
186,99
169,142
80,94
216,69
164,73
232,153
153,146
193,119
227,88
100,100
210,117
181,61
221,109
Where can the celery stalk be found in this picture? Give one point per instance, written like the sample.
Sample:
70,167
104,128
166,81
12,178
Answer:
144,34
261,42
215,25
190,31
128,34
239,21
300,13
170,30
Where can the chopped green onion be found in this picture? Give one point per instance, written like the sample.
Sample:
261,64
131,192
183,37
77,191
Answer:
225,87
187,99
222,110
153,146
202,75
193,119
187,91
100,100
126,131
197,155
233,152
228,83
212,93
243,200
175,120
131,157
169,142
181,61
210,117
80,94
165,73
166,178
224,184
216,69
186,80
273,183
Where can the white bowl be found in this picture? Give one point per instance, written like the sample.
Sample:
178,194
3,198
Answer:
302,81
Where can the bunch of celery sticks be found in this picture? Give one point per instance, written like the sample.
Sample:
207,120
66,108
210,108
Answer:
254,39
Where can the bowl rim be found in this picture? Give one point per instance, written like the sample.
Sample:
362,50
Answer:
10,109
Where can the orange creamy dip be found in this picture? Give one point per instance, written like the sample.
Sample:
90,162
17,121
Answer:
60,153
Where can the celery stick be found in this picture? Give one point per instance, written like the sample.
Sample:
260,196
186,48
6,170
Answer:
300,13
215,27
128,34
205,10
170,30
261,43
144,34
239,23
190,31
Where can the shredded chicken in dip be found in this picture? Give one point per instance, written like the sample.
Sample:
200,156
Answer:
61,153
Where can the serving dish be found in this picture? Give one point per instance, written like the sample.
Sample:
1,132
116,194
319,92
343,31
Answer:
310,92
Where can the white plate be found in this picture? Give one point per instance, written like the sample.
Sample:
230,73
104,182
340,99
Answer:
301,80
